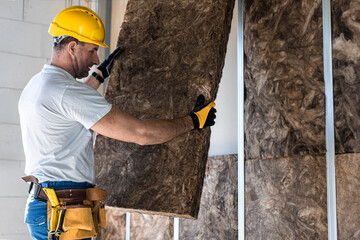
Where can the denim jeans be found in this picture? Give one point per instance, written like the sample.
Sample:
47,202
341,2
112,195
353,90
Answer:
36,212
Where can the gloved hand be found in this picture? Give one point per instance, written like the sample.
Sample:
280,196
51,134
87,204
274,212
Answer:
203,115
106,65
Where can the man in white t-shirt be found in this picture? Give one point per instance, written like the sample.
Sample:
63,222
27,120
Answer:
59,114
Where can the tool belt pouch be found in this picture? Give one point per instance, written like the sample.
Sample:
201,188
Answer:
78,223
99,216
81,220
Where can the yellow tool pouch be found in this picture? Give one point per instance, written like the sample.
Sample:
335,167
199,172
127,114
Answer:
77,221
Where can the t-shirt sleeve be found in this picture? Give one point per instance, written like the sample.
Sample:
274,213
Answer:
84,104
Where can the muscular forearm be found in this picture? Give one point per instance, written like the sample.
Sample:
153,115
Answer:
122,126
160,131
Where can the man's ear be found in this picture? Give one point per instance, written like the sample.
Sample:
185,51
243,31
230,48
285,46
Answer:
71,47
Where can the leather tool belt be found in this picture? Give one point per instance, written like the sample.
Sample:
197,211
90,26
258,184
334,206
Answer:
72,213
64,195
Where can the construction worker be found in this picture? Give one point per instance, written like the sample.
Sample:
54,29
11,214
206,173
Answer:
58,114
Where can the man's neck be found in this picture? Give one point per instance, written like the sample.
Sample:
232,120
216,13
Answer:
62,61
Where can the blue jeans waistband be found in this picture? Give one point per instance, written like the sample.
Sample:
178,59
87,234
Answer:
66,185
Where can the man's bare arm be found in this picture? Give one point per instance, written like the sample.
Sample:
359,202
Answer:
122,126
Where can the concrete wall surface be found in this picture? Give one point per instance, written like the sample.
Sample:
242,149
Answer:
25,46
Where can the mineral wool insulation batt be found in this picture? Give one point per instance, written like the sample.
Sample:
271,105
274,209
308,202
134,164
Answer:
174,51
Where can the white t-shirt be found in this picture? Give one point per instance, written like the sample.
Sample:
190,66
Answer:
56,113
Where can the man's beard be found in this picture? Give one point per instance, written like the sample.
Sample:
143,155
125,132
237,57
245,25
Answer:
81,72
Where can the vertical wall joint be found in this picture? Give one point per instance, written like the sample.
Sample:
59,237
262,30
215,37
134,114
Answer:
330,140
241,157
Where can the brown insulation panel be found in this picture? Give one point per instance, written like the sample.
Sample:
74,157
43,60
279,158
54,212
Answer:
347,168
285,101
174,51
217,217
219,204
151,227
142,226
115,225
286,198
285,168
346,72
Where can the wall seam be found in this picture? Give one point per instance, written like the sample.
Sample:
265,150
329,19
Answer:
24,21
24,55
329,118
241,146
11,124
12,160
176,228
128,222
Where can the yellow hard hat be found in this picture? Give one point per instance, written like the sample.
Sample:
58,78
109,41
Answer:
81,23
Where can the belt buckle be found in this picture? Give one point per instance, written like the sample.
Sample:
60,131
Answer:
37,191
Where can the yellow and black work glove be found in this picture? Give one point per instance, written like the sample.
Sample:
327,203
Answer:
106,65
203,115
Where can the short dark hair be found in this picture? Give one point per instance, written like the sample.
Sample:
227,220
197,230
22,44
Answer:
61,41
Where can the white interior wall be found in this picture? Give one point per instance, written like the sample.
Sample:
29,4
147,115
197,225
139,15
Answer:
224,139
118,8
25,46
